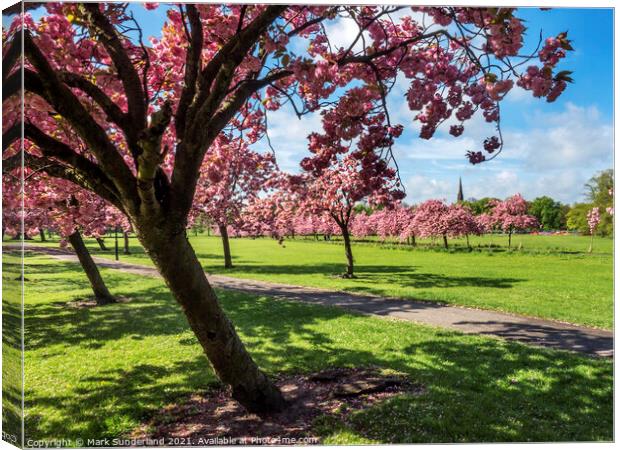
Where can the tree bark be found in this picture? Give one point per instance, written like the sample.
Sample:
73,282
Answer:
347,250
445,241
176,261
126,242
42,234
101,243
509,238
226,244
102,294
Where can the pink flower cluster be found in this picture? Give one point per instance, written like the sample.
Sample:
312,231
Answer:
594,218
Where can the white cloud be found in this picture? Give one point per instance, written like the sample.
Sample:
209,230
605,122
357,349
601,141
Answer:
420,188
288,136
565,186
575,137
342,32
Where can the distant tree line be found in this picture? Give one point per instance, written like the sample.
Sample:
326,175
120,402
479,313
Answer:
553,215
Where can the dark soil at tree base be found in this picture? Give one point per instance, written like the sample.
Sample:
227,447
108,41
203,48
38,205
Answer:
215,418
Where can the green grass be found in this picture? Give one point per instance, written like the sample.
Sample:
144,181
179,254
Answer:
101,372
551,277
11,351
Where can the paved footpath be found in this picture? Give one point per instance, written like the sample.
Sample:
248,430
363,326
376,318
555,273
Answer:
527,330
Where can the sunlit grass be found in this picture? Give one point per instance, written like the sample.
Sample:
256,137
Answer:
101,372
551,277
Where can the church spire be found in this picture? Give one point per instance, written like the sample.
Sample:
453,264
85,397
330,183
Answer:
459,196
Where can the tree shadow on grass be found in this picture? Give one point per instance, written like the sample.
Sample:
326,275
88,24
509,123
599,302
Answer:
53,322
404,276
11,350
477,389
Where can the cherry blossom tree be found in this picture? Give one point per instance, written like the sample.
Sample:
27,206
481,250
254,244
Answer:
430,220
69,211
610,209
232,177
594,218
334,191
511,215
363,224
395,222
460,222
132,122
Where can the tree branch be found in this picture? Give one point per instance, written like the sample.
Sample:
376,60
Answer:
366,58
151,157
12,84
48,85
220,71
11,56
56,170
192,69
111,109
11,135
200,133
108,36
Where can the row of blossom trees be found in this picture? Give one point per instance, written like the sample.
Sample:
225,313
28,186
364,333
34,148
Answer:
135,122
70,211
296,212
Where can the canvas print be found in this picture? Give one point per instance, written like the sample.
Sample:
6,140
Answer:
306,224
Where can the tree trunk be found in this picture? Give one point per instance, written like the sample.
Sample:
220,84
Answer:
509,238
101,243
126,239
413,240
226,244
467,239
347,250
445,241
100,290
42,234
176,261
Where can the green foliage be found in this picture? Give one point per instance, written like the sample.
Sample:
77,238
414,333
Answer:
577,218
201,224
550,213
597,188
141,356
598,193
363,208
478,207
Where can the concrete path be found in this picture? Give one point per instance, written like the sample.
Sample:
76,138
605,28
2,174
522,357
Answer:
527,330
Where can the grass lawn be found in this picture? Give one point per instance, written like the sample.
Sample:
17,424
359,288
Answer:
11,353
101,372
550,277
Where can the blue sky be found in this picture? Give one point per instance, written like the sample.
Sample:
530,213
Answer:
550,148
